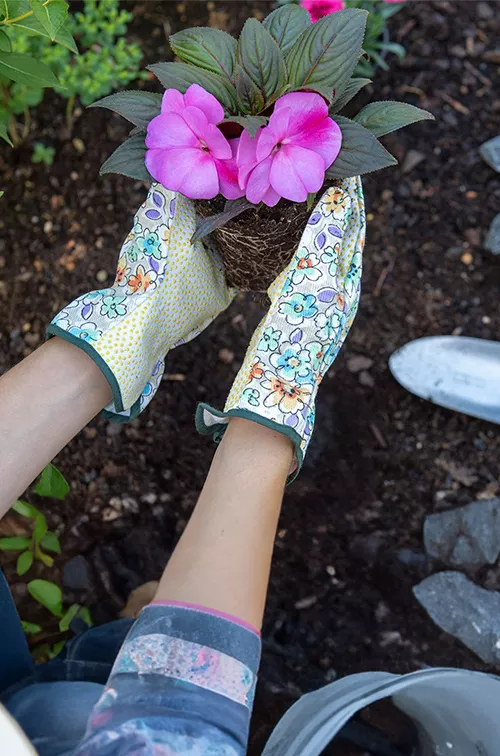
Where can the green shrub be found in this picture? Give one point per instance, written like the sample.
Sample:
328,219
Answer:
43,154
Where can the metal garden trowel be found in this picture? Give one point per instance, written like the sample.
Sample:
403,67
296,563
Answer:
457,372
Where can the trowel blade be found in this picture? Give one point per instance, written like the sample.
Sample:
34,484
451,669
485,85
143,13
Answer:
457,372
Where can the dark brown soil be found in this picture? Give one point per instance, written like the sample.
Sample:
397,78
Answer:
340,598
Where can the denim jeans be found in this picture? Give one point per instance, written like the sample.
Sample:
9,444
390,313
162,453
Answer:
53,704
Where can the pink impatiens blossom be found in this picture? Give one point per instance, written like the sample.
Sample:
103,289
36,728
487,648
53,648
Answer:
319,8
186,151
289,157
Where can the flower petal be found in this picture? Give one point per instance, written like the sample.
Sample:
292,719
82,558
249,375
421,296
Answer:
275,132
206,102
258,182
169,130
245,156
305,108
172,101
271,198
295,172
187,170
227,171
324,138
207,133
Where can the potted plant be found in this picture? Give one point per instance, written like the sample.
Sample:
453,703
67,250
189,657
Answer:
251,129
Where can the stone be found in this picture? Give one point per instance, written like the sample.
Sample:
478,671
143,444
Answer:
359,362
76,574
492,241
490,152
139,598
464,610
412,159
466,537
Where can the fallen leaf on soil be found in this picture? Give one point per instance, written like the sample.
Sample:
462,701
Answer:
412,159
359,362
14,526
306,602
458,472
139,598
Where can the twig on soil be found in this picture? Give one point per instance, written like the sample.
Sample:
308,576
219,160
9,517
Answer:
477,73
381,279
456,104
378,436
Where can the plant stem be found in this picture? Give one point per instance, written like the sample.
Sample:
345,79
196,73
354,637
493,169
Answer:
12,128
27,122
69,111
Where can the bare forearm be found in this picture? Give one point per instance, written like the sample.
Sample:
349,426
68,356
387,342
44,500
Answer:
45,401
223,559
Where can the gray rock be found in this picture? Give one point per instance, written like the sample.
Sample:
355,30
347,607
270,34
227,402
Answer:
464,610
76,574
490,152
465,537
492,241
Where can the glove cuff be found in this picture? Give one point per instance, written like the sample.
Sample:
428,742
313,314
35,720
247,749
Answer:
210,421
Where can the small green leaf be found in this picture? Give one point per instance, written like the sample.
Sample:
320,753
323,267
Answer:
41,653
47,594
50,16
383,117
360,153
311,200
137,107
210,49
326,53
26,70
180,76
85,615
5,44
233,209
351,90
68,616
4,134
24,562
249,97
30,628
285,24
41,528
24,509
52,483
50,542
14,543
1,191
250,123
259,55
57,648
128,160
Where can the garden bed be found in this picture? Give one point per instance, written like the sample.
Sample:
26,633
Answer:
340,599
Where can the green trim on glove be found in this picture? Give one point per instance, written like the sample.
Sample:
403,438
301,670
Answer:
217,430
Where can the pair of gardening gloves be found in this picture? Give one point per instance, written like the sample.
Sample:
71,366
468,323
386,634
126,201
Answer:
167,290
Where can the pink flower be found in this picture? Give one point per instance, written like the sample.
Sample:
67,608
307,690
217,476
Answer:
186,152
289,157
319,8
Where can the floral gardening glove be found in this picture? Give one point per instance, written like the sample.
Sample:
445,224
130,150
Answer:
313,304
166,292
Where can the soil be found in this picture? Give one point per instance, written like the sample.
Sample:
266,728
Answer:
340,598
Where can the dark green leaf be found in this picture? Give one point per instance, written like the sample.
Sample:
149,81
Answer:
24,509
85,615
4,134
5,44
24,562
389,9
14,543
383,117
137,107
50,16
260,57
360,153
52,483
392,47
235,208
249,97
67,617
351,90
210,49
47,594
250,123
379,60
26,70
50,542
41,528
30,628
128,159
326,54
180,76
286,23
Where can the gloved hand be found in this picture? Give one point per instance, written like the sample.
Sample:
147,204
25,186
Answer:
313,304
166,292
